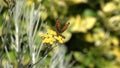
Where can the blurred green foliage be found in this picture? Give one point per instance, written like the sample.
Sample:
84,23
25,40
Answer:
93,35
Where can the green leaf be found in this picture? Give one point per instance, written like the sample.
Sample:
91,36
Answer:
89,12
79,56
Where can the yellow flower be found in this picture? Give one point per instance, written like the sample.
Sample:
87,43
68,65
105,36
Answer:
45,40
51,37
51,32
59,38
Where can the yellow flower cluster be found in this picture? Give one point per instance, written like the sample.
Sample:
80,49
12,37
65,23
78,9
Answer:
51,37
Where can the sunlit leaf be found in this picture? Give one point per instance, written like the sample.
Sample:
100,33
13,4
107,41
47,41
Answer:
89,37
67,36
82,25
109,7
114,23
115,41
88,22
78,1
75,23
116,52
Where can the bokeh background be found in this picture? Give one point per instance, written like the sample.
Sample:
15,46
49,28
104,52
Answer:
93,35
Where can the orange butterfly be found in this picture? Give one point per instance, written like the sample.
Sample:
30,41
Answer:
58,27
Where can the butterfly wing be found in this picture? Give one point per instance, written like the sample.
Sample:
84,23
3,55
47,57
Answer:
65,27
58,26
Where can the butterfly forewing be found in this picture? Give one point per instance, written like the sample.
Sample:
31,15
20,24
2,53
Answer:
58,26
65,27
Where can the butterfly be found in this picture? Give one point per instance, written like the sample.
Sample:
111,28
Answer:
59,29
